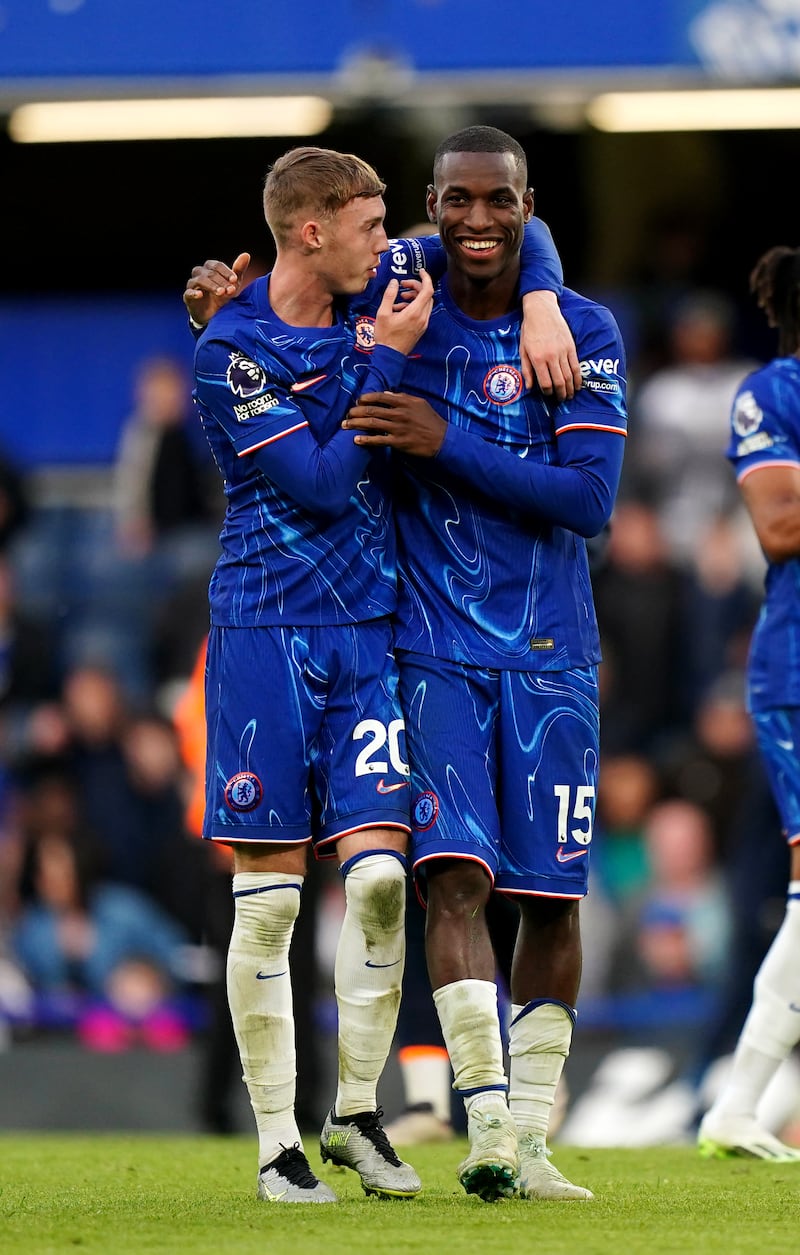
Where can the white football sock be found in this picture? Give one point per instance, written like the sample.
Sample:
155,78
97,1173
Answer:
260,1000
470,1023
368,975
772,1027
540,1036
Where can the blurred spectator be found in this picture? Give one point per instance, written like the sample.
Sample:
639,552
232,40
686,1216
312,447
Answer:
162,481
154,800
711,765
628,786
722,605
639,596
96,712
79,934
675,931
28,672
128,772
681,421
180,628
674,263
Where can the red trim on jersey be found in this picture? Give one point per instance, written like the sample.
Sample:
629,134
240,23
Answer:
760,466
620,431
348,832
539,893
470,858
271,440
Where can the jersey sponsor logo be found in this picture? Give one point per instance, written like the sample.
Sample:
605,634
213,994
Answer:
425,812
365,334
754,444
407,257
259,405
747,414
245,378
595,372
601,385
383,787
600,366
503,384
244,791
566,856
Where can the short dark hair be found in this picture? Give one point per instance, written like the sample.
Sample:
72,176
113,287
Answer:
775,283
482,139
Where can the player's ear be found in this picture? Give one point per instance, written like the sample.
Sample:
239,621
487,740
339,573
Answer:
430,203
527,203
311,235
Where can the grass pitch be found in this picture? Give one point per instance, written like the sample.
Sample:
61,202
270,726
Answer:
147,1195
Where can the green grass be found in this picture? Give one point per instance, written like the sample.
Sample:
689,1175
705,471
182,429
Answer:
104,1194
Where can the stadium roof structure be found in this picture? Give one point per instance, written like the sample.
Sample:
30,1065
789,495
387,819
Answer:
407,53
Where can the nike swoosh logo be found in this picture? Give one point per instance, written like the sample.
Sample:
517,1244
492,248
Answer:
562,856
794,1007
270,975
785,745
302,384
273,1198
369,963
383,787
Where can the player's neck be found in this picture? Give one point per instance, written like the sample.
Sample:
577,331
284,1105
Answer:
298,297
484,300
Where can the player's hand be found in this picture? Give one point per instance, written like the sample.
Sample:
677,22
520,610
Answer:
403,313
398,421
547,349
212,285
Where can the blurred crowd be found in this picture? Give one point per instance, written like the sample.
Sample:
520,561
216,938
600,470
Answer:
114,916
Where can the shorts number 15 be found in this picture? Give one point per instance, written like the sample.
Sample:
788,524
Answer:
581,811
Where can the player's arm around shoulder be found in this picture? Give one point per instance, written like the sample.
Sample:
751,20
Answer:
210,287
601,403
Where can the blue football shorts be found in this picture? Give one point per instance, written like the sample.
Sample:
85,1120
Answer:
778,736
503,771
305,740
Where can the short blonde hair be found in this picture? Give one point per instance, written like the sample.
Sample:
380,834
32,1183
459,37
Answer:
318,181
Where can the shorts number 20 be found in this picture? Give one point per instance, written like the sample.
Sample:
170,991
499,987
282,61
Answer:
379,736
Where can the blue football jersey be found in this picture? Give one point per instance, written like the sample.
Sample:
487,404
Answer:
261,385
486,577
280,392
765,431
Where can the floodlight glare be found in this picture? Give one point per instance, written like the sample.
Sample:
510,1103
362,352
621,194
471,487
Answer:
80,121
746,109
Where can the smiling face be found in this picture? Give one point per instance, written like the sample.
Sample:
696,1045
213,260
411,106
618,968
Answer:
480,204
